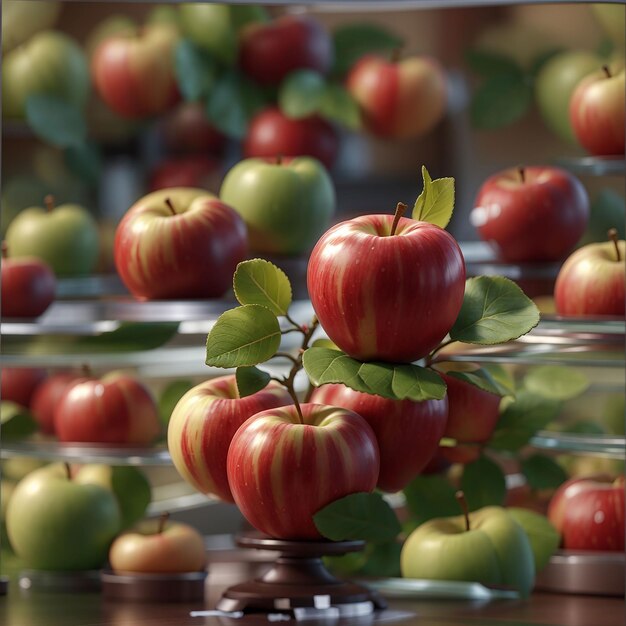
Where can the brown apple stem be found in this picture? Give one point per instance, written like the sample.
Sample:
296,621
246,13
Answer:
460,498
612,235
68,470
5,250
522,174
400,209
170,206
162,522
86,370
279,159
607,71
49,202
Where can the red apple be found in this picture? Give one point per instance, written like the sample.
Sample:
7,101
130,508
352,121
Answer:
18,384
592,281
281,471
532,213
597,110
157,547
589,514
399,99
187,130
407,432
201,172
272,134
269,51
179,243
386,297
133,72
203,424
47,396
116,409
28,286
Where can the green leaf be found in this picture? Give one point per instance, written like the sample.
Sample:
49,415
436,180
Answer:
382,559
232,102
84,160
398,382
556,381
483,483
250,380
543,536
490,63
501,376
169,398
501,100
543,472
322,342
365,516
494,310
133,492
16,422
195,71
247,335
353,41
128,337
338,105
428,497
436,202
301,93
482,379
521,419
55,121
260,282
346,564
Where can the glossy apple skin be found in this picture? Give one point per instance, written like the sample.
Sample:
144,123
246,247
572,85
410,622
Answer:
386,298
46,398
116,409
592,281
271,134
589,514
187,130
28,287
407,432
597,112
540,219
192,254
18,384
399,100
203,424
282,472
269,52
201,172
134,73
178,548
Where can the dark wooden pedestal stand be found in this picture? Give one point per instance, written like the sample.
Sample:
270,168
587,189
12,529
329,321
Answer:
299,583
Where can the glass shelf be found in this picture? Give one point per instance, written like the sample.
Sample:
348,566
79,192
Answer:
596,445
594,165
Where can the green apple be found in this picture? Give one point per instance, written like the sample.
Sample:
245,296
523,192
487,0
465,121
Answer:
129,484
543,536
50,63
17,467
286,205
55,523
493,551
210,27
66,237
21,20
19,192
613,414
555,84
611,18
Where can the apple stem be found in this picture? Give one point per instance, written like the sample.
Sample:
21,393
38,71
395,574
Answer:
522,174
612,235
400,209
162,522
5,250
170,206
460,498
68,470
279,159
86,370
49,202
607,71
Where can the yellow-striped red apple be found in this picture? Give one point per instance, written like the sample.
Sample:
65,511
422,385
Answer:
407,432
589,513
203,424
531,213
134,71
386,297
592,281
282,469
399,99
115,409
179,243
